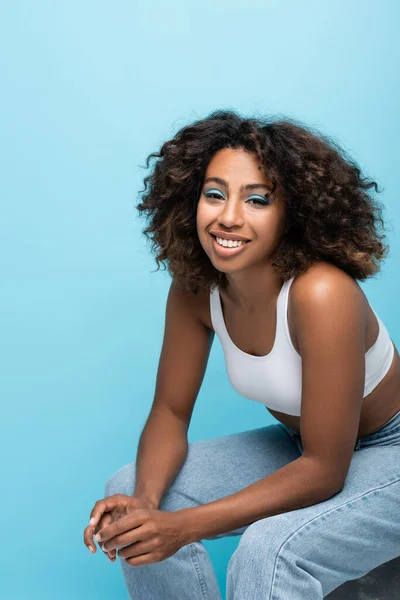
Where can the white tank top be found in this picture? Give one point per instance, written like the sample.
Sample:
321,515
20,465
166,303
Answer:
275,379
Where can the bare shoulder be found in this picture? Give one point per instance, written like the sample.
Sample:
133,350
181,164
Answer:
325,292
198,304
325,282
201,305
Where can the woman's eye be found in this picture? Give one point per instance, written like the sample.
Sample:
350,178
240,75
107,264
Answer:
259,201
211,194
263,202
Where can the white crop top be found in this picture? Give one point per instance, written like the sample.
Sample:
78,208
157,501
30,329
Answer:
275,379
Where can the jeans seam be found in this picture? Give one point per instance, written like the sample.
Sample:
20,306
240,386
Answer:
391,482
195,561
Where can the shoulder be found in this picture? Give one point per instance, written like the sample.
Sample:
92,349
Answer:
323,283
326,297
202,306
198,304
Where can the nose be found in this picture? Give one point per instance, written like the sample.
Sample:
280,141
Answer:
231,214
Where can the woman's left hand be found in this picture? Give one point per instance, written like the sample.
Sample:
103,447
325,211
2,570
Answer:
148,535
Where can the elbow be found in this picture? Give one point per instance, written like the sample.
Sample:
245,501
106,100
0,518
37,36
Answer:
333,485
329,482
335,489
328,489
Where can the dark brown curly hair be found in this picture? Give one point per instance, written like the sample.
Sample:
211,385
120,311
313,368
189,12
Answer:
330,214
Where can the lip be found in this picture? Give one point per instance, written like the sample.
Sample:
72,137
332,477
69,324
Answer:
229,236
226,252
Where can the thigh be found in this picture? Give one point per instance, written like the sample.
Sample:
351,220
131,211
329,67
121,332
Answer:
218,467
343,537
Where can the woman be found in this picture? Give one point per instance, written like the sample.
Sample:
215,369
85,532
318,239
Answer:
266,227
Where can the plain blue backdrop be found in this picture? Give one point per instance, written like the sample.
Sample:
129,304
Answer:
88,90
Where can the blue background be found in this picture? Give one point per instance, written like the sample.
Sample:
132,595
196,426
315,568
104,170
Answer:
88,90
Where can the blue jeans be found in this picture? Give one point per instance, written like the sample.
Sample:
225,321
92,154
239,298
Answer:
303,553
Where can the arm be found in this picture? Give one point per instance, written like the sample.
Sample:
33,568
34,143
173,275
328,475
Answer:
330,326
163,444
162,450
296,485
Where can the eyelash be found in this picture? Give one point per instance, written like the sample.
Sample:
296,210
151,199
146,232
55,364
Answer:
260,202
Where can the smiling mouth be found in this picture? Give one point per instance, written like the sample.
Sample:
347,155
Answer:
243,242
228,251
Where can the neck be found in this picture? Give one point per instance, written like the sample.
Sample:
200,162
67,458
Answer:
251,291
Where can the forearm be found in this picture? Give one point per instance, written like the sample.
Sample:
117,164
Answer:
298,484
162,450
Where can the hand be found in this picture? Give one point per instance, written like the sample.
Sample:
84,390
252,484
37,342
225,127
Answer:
108,517
147,534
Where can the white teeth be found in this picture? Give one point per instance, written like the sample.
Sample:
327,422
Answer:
229,243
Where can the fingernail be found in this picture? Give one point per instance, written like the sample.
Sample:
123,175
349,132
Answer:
97,537
92,520
91,549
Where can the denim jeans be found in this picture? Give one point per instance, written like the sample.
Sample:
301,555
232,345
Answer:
303,553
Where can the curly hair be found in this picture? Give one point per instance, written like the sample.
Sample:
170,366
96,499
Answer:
330,214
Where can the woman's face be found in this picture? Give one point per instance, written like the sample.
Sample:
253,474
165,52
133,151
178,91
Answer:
229,208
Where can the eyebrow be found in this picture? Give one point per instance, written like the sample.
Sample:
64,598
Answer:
249,186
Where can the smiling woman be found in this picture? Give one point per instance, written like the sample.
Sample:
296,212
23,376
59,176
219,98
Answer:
265,226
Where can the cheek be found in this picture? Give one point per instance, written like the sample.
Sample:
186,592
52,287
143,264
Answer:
199,220
203,218
200,225
273,223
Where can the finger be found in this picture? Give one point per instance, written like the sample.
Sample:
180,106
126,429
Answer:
110,555
89,533
139,548
104,505
105,520
133,537
96,514
88,539
130,521
143,559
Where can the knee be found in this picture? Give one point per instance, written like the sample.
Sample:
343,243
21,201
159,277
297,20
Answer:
122,481
263,540
277,552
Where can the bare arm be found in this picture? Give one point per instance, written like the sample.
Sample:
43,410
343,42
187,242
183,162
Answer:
298,484
163,444
162,450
